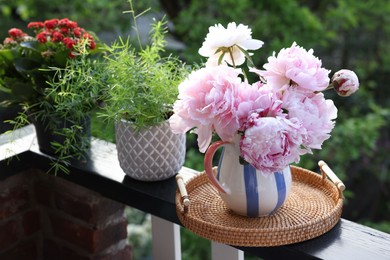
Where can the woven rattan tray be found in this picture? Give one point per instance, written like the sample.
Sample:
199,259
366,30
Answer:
313,208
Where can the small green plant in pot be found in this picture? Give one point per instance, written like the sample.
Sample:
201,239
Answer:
51,76
8,111
142,87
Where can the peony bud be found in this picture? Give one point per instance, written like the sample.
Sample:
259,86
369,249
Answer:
345,82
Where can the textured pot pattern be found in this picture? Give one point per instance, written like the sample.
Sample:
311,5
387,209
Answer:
150,154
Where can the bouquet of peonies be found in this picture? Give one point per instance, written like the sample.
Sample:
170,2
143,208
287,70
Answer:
276,119
27,62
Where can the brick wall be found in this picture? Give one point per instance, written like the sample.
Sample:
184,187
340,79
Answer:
46,217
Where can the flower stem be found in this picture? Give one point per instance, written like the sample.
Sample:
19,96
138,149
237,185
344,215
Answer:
231,56
135,21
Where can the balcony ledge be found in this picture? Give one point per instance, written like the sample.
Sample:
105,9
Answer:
102,173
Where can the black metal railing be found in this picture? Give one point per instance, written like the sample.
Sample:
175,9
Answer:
102,173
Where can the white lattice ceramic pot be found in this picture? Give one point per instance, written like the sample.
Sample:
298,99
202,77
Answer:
150,154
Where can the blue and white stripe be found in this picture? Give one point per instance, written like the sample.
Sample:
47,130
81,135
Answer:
248,191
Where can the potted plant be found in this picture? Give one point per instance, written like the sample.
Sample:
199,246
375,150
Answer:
8,111
262,126
51,76
142,87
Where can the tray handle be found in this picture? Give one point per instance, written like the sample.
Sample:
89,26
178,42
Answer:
325,170
185,199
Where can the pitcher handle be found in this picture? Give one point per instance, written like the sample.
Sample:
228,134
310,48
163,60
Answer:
208,164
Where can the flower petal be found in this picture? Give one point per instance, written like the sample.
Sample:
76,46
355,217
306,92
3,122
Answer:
251,44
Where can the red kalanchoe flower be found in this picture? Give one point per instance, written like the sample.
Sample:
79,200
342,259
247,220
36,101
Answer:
63,22
71,55
50,24
91,41
16,33
9,41
41,37
35,25
64,30
69,43
92,45
57,37
78,32
87,36
71,24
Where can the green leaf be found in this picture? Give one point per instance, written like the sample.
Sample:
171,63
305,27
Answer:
248,57
219,50
18,87
23,90
25,65
220,58
4,89
32,45
7,55
6,60
61,57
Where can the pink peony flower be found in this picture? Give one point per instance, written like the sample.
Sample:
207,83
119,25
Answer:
208,101
345,82
295,66
233,36
272,143
314,112
257,100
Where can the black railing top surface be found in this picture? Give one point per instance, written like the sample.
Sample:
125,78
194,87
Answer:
102,173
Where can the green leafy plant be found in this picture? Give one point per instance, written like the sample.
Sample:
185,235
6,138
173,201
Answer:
52,77
85,12
73,94
142,84
26,61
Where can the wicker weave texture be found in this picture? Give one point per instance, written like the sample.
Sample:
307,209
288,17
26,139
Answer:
313,208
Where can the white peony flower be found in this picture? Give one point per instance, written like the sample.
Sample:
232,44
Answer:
227,42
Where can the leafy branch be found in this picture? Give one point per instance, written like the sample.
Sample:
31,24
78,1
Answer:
142,85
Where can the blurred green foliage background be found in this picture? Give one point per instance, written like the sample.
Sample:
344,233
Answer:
343,33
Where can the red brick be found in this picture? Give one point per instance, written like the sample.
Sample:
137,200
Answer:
43,194
31,222
89,208
122,254
111,235
25,251
89,238
9,235
53,250
13,201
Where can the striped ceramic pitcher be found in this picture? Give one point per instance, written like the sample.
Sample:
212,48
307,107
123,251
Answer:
243,188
